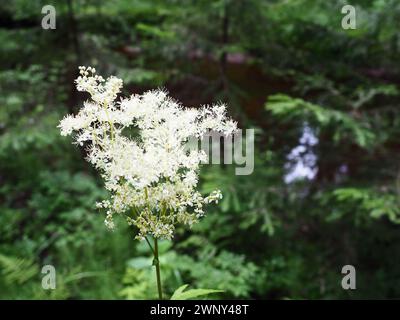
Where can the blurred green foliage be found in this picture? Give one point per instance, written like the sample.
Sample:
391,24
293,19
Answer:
282,66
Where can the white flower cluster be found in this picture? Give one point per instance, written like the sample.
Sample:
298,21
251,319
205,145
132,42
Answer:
138,145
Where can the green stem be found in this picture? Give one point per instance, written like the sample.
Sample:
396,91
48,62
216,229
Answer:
156,262
151,247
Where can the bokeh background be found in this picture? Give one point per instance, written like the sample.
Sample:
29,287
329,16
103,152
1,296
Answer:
324,101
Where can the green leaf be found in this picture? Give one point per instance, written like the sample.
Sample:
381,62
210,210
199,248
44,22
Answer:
288,109
180,294
18,270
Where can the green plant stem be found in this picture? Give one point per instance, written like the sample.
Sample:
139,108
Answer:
156,262
151,247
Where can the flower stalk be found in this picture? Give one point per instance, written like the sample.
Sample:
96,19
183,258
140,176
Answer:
156,263
151,177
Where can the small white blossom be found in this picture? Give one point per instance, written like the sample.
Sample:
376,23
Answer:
152,179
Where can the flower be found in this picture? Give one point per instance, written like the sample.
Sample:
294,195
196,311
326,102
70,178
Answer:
150,176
